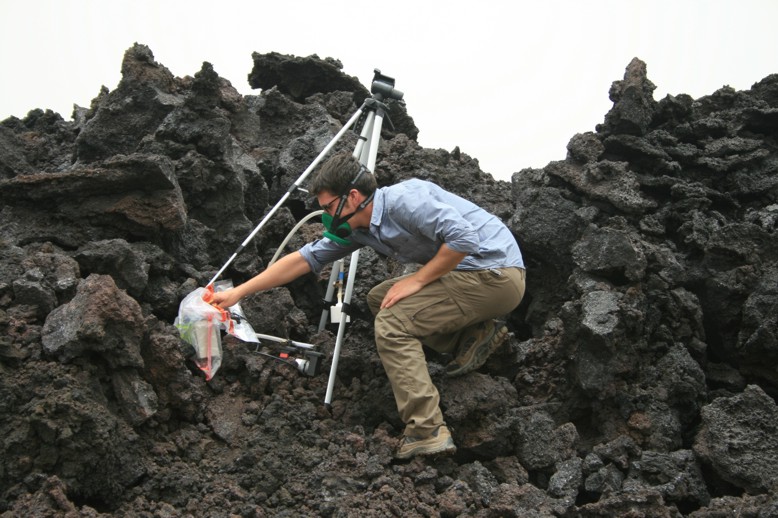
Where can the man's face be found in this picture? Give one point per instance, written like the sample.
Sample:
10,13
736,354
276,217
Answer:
328,202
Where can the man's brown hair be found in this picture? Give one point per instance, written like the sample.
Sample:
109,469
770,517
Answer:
337,174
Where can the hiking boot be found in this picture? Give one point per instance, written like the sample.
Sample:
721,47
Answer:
476,348
439,442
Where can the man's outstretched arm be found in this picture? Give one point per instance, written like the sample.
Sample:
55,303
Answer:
283,271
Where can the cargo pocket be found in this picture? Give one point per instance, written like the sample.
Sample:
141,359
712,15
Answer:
429,315
457,285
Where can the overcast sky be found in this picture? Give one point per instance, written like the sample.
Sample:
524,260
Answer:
509,82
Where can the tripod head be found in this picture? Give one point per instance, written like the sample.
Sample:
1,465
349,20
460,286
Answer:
383,87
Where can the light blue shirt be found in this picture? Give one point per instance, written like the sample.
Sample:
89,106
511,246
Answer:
410,222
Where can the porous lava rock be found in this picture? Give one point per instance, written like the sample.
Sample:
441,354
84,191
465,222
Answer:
639,377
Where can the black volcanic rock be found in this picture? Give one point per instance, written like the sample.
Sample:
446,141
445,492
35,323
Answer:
639,377
302,77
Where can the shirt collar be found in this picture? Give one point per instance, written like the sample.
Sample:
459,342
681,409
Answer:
378,208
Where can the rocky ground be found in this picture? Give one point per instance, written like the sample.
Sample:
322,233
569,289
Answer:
640,374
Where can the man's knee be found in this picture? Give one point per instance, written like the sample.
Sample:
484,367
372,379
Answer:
376,295
389,329
374,299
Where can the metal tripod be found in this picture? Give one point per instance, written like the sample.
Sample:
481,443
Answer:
369,117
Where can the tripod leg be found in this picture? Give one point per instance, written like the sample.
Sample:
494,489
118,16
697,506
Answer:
328,296
362,149
366,151
352,273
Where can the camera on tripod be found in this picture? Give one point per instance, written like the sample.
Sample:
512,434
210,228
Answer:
384,86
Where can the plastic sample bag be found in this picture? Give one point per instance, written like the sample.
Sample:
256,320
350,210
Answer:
200,324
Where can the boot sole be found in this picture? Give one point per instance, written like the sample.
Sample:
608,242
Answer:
447,447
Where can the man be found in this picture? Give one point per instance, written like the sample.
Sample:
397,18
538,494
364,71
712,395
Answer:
472,272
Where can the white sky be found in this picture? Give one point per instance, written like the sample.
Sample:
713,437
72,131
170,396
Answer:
509,82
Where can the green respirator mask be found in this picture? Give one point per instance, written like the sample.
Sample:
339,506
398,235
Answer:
338,229
337,233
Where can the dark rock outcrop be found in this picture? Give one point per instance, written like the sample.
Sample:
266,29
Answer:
639,378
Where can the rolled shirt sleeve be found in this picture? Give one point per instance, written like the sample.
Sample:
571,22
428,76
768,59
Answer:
324,251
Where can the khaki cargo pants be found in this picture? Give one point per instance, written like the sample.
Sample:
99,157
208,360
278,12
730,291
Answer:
436,316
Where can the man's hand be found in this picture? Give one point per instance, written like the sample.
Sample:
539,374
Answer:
401,289
283,271
444,261
225,299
